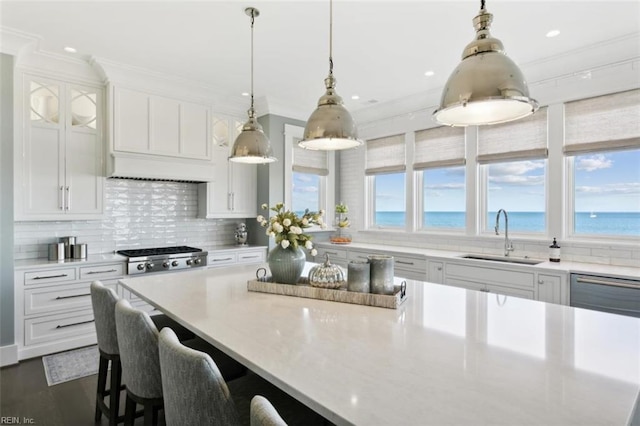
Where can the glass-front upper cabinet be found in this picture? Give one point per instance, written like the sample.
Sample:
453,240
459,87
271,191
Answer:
84,108
61,166
45,102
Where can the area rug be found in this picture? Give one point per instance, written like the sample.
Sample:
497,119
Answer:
70,365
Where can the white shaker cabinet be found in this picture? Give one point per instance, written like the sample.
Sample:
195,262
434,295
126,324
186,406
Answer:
144,123
233,191
435,271
553,288
59,154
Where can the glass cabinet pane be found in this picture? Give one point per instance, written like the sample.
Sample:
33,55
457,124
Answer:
45,103
84,110
220,131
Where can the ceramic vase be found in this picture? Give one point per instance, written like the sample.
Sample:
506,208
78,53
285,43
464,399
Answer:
286,265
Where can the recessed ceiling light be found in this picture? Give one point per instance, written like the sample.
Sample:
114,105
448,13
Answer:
245,94
429,73
553,33
70,49
355,97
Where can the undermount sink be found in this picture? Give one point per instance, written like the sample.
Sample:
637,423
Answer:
519,260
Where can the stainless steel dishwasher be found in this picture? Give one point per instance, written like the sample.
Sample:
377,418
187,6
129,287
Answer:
615,295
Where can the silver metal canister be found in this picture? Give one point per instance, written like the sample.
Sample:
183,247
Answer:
56,251
68,242
358,276
381,274
79,251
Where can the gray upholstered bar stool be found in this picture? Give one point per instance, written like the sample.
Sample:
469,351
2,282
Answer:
138,344
263,414
103,301
195,392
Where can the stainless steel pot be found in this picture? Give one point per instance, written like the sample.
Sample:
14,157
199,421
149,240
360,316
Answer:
68,243
56,251
79,251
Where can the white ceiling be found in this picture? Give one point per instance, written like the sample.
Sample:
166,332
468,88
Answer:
381,48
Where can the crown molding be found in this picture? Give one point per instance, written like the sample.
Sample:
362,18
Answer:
12,41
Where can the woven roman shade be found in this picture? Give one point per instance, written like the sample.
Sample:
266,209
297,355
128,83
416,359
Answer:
517,140
610,122
439,147
385,155
309,161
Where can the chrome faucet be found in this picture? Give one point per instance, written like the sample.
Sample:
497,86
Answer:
508,245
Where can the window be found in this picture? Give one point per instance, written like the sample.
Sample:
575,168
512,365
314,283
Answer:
310,181
602,144
439,158
385,170
512,158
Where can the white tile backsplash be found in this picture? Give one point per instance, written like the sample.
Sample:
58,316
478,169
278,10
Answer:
138,214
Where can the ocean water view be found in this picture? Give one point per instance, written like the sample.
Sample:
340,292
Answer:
595,223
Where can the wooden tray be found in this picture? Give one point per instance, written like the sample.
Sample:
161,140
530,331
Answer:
302,289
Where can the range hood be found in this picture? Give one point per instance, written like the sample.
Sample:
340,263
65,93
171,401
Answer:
157,167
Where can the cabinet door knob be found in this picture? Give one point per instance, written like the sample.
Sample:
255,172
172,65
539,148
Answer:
439,268
540,281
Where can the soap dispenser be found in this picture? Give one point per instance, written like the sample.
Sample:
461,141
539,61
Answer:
554,251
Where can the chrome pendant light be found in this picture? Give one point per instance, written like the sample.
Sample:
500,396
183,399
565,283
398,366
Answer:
330,127
487,87
252,146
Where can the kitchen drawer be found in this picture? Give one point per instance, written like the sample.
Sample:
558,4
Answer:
508,278
50,276
221,258
60,298
251,256
471,285
410,264
507,291
336,256
60,326
99,272
358,256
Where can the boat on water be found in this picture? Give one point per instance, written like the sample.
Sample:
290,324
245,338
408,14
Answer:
592,215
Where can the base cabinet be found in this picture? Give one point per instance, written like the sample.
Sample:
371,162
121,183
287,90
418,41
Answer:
553,288
53,309
247,255
491,280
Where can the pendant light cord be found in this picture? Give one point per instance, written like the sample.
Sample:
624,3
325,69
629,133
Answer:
330,37
482,4
253,18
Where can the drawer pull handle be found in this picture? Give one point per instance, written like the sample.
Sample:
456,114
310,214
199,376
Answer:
250,257
331,252
222,260
604,282
75,323
363,257
102,272
71,297
404,263
49,276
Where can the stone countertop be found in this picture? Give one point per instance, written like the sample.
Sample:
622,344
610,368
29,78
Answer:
446,356
93,259
563,266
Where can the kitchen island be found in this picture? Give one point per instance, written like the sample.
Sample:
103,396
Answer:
446,356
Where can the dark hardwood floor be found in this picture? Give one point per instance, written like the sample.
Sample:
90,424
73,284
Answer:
25,395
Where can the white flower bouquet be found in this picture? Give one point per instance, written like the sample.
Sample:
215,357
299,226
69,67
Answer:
287,227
